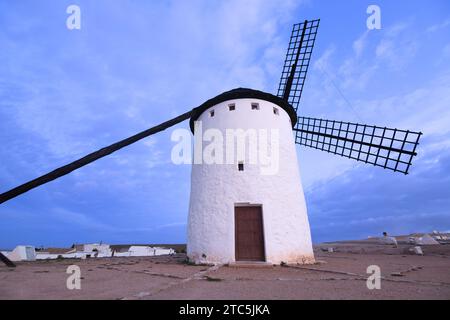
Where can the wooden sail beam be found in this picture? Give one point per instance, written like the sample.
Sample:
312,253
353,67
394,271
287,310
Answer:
57,173
6,261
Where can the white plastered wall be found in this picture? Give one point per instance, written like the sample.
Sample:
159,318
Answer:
216,190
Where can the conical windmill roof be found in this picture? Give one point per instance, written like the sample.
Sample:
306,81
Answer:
243,93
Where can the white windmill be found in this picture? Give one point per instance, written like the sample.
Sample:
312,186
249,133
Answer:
238,214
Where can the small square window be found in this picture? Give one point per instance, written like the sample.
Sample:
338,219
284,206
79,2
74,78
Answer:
255,106
241,166
211,113
232,107
275,111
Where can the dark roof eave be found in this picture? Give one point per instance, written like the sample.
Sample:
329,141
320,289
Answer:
243,93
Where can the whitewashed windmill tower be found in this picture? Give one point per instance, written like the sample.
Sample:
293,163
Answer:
237,213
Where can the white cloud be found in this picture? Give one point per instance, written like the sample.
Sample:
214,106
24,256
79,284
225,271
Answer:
359,45
392,50
446,51
80,219
323,62
439,26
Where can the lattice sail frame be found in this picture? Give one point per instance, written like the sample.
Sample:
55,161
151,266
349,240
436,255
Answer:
391,149
299,52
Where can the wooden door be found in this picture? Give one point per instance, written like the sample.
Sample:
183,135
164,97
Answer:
249,234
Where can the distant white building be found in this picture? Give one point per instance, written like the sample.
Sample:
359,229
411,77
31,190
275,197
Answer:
60,253
426,239
22,253
434,238
139,251
95,250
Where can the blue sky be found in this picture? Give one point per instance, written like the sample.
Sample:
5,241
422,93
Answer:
134,64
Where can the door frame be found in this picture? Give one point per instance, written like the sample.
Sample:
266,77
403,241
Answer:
260,206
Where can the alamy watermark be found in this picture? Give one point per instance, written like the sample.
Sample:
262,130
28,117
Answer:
73,21
374,280
73,281
374,20
229,147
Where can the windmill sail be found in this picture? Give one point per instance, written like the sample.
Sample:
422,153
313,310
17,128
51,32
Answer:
389,148
57,173
6,261
297,60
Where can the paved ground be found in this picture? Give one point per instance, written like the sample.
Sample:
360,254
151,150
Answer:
338,275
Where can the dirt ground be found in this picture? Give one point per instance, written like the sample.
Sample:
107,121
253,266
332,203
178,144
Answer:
337,275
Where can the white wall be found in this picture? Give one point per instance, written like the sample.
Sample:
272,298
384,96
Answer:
144,251
22,253
51,256
216,189
104,252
